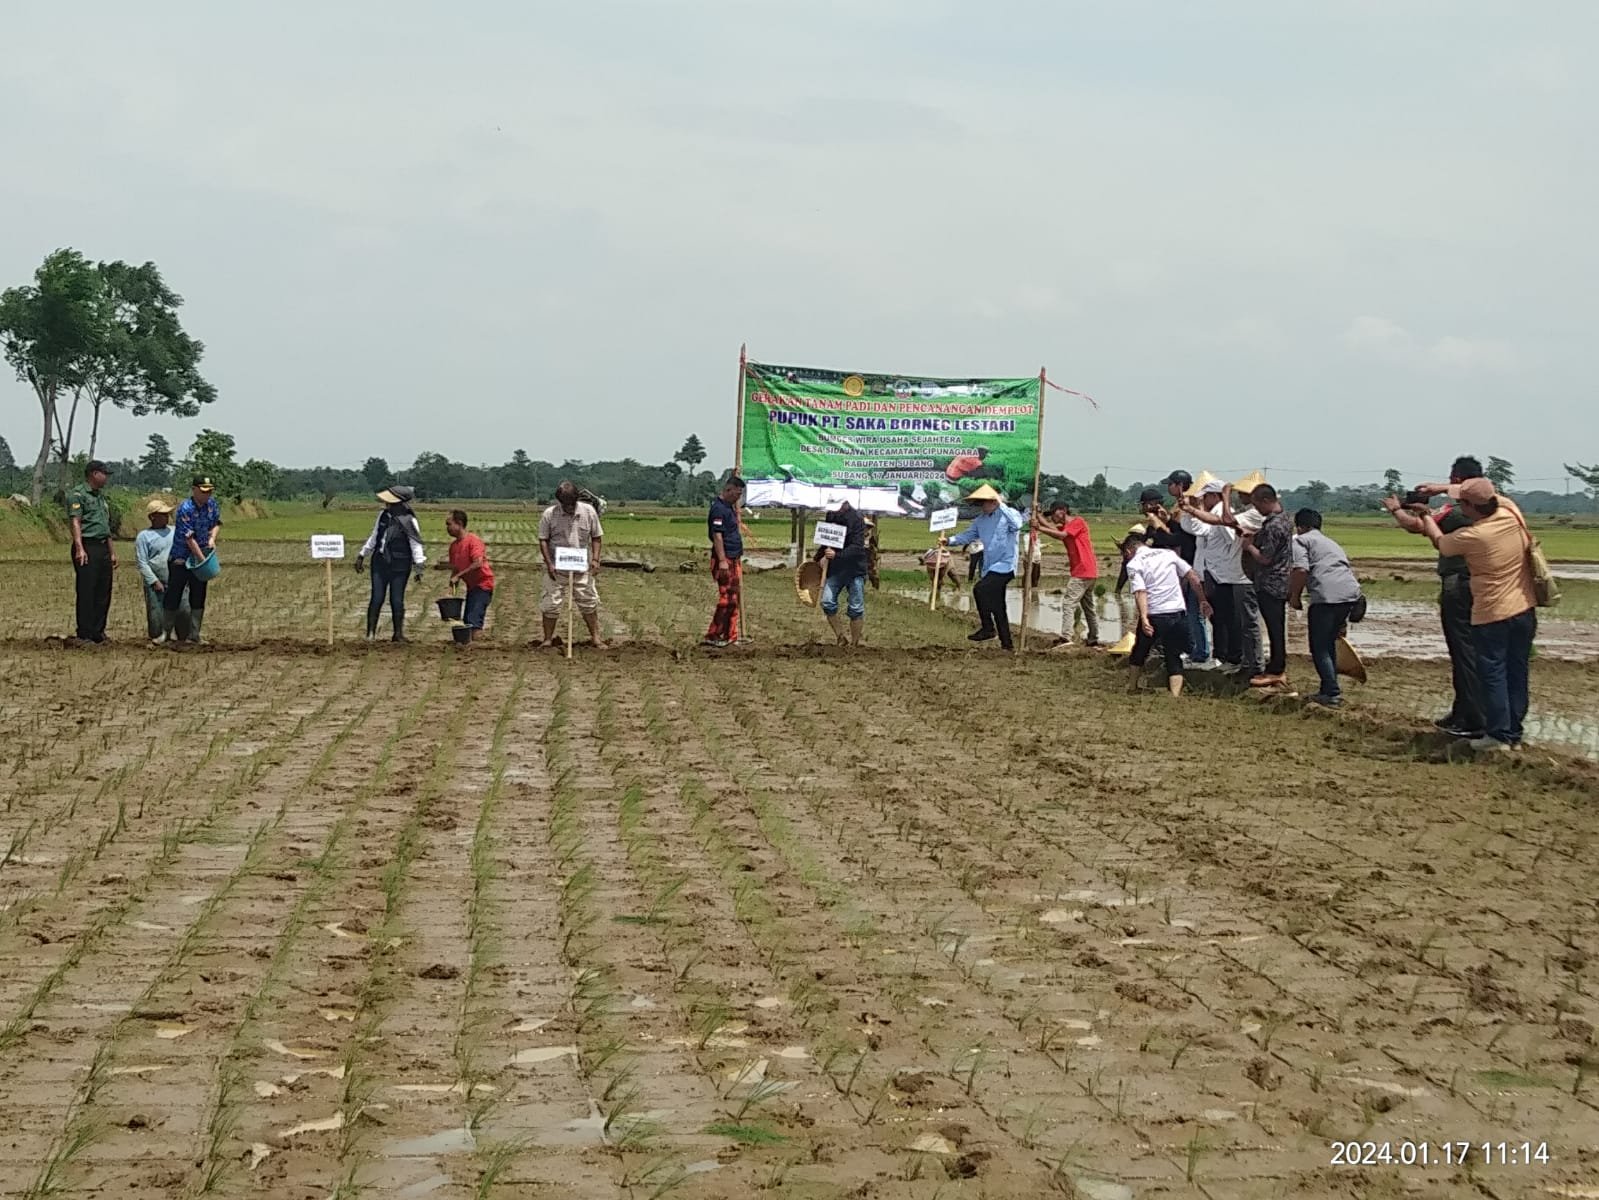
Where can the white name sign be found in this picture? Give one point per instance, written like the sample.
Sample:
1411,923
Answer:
944,518
569,559
327,545
831,536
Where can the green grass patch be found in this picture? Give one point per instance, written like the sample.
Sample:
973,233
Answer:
746,1135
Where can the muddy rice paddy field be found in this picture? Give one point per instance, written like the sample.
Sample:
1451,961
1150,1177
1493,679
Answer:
279,919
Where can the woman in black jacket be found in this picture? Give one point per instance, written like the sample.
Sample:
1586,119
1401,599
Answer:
396,551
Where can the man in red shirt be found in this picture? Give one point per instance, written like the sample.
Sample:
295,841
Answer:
1072,532
469,564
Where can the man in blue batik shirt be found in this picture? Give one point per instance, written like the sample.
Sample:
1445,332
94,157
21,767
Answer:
996,527
194,535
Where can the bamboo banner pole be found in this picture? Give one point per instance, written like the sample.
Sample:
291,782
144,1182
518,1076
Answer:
738,432
738,469
328,563
938,570
1032,534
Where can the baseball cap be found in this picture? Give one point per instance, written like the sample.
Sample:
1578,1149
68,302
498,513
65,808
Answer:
158,505
93,465
1477,491
1179,477
1151,496
203,482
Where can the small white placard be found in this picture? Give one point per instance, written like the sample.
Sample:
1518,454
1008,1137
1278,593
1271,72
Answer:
327,545
831,536
944,518
569,559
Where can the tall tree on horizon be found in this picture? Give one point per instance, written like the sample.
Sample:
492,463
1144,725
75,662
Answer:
692,452
98,332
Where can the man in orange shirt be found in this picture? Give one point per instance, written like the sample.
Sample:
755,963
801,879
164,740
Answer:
1072,532
469,564
1504,612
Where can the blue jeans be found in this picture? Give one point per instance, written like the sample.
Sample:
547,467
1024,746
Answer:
1326,622
386,583
857,596
1198,643
1504,649
477,606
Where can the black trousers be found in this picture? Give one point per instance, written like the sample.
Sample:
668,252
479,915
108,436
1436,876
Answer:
94,590
180,577
1274,611
1454,608
1171,632
989,595
1227,622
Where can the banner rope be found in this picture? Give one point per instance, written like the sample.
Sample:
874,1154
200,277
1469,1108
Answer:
1071,392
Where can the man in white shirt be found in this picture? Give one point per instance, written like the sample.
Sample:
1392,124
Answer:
1219,561
1156,578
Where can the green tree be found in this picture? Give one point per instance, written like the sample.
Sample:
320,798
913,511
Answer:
145,362
1393,482
212,454
155,467
519,475
1316,492
7,461
48,331
106,332
1501,472
435,477
1588,476
376,472
692,453
260,479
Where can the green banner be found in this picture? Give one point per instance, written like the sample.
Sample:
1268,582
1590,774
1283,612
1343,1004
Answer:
936,438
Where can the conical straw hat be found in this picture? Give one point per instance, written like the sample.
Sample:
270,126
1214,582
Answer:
1248,483
1125,646
1349,662
1199,483
983,492
808,582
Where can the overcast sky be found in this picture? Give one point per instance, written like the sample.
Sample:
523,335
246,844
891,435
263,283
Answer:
1329,237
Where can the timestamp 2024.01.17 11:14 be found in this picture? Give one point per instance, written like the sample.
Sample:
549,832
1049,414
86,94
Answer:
1440,1154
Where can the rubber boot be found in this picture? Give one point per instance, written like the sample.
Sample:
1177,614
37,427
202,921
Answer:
857,630
399,628
837,625
196,619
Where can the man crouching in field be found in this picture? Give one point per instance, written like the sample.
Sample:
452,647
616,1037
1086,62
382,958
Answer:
468,563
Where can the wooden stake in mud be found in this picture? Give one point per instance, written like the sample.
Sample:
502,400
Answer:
571,582
328,564
938,570
1032,534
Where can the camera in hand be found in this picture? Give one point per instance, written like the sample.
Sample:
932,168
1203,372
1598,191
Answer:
1414,498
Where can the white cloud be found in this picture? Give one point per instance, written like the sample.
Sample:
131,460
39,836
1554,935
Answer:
1378,337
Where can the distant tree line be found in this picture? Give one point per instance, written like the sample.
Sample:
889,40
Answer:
433,475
